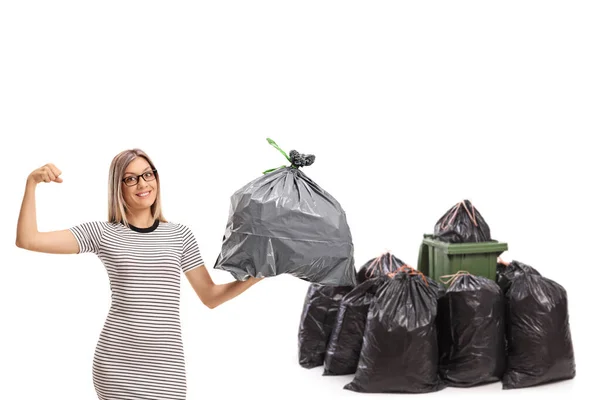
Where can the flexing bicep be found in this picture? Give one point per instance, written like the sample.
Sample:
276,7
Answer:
82,238
54,242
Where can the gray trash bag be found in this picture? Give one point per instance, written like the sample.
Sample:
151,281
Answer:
284,223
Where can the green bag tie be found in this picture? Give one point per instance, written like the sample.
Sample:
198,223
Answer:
296,160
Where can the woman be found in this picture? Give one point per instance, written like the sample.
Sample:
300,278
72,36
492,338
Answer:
139,353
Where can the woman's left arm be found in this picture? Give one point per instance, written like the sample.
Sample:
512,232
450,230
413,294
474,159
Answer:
213,295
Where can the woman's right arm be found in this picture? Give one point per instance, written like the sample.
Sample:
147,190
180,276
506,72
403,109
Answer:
28,236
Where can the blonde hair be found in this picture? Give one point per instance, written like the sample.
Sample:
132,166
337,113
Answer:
117,209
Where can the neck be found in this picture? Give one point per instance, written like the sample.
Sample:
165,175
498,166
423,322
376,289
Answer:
141,219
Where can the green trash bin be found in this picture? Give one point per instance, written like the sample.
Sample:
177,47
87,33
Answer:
437,258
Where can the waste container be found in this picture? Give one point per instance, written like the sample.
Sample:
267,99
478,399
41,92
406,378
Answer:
437,258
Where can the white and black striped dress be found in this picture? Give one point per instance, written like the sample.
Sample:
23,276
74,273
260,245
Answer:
140,351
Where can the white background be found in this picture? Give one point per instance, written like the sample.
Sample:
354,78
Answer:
408,108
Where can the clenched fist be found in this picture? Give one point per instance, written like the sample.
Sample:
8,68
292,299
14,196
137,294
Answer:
47,173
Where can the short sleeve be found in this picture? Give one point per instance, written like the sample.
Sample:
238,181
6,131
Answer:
89,236
190,257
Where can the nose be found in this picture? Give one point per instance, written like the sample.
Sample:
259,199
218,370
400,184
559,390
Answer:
141,184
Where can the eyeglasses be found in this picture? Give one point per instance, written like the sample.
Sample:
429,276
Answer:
132,180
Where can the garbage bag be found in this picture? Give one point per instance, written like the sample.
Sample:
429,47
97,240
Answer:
284,223
400,350
462,224
343,349
471,327
318,316
540,347
382,265
507,273
439,288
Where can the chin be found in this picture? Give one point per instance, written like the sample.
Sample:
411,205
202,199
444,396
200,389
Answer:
144,203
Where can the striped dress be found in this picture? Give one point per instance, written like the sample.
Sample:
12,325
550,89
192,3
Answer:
140,354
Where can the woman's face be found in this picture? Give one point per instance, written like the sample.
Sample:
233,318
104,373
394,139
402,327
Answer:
141,194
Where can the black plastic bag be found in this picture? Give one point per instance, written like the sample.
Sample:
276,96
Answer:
316,322
400,349
343,349
471,323
507,273
462,224
439,288
540,347
382,265
284,223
